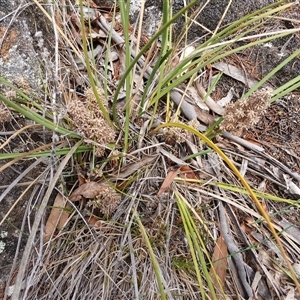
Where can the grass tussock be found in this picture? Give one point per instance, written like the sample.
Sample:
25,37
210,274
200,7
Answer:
164,199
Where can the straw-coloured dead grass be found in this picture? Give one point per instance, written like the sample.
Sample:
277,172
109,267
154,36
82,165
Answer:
154,213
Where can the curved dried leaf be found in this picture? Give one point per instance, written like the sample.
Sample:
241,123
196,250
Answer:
187,172
129,169
210,102
88,190
219,266
236,73
57,218
168,180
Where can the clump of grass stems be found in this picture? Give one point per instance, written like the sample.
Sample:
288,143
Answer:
165,78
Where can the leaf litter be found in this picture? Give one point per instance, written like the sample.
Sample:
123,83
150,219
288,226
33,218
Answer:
118,257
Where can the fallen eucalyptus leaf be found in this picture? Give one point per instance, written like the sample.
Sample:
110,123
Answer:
168,180
88,190
129,169
225,100
210,102
57,218
235,73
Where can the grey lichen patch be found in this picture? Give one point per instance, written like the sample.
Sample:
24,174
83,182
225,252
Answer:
5,6
150,24
3,234
2,246
20,63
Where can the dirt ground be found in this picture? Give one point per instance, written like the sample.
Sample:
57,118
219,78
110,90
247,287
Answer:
278,132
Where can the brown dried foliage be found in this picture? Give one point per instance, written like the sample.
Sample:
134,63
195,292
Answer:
5,116
107,200
89,121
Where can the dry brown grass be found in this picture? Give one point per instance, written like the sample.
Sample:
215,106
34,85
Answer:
101,252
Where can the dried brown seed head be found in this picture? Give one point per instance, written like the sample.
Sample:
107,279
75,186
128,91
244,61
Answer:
88,119
245,113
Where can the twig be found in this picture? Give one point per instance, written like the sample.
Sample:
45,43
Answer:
120,41
234,250
279,164
187,109
215,107
242,142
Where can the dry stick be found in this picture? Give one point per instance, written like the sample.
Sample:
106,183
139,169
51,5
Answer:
23,183
260,173
253,253
280,165
186,108
215,107
260,151
5,133
120,41
234,250
242,142
37,220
